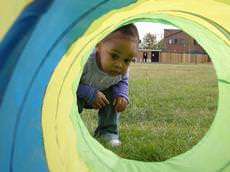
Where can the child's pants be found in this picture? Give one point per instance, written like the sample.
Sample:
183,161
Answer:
108,118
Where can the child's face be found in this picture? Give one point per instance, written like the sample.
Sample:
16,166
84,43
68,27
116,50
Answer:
115,54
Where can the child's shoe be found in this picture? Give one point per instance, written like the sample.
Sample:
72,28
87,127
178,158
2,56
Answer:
115,142
111,139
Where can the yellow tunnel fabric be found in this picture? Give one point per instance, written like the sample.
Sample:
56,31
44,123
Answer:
55,57
190,17
9,11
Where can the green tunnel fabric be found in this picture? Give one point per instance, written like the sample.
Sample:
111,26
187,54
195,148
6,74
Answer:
41,131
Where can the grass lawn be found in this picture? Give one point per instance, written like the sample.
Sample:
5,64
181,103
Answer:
171,108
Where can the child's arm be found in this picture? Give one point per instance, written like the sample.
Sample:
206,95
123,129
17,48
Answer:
121,88
87,93
120,94
92,96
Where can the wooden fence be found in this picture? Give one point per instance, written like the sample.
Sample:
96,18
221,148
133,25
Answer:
166,57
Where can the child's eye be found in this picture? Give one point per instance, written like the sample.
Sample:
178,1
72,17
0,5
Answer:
114,56
127,61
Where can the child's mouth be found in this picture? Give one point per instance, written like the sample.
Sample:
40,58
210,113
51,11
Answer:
114,73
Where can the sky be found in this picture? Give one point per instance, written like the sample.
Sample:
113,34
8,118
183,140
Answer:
154,28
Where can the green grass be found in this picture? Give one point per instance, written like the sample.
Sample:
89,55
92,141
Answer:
171,108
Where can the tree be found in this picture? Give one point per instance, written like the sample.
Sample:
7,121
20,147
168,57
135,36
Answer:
149,41
159,45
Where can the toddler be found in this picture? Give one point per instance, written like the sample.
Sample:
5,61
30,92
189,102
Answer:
104,81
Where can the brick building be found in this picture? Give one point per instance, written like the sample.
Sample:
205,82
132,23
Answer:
152,55
178,41
178,47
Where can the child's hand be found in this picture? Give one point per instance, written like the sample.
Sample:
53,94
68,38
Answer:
120,104
100,100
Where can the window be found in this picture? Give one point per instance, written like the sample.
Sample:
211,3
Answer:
170,41
176,41
181,41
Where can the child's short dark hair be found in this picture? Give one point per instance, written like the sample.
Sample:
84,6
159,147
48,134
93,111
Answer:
129,30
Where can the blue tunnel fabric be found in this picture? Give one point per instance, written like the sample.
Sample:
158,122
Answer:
36,44
17,37
41,58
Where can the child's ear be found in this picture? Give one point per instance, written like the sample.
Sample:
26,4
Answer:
98,46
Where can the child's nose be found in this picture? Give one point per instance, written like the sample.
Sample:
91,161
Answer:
119,65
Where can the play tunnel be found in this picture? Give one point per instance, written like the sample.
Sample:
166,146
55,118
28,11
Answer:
44,45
